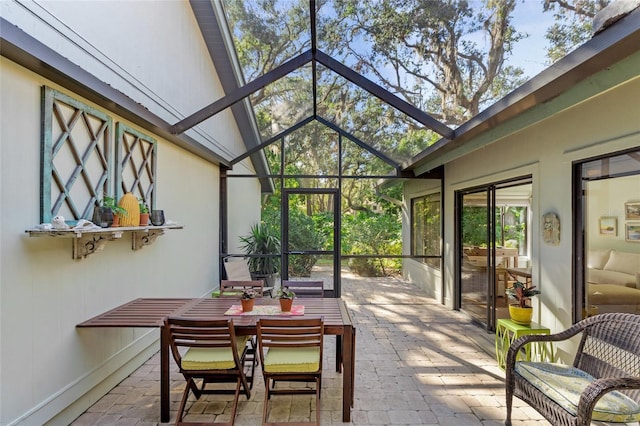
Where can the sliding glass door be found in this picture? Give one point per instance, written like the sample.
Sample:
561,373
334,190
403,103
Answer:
492,242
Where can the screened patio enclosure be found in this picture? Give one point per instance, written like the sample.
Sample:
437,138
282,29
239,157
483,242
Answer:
331,128
330,176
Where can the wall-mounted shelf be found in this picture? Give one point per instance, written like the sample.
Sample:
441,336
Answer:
89,241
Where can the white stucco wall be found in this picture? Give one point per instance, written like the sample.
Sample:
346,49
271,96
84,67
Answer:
49,369
152,51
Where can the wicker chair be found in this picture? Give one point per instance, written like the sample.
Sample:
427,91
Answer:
609,351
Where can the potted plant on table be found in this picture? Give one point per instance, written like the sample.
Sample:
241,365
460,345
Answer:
144,212
261,244
521,312
286,297
248,299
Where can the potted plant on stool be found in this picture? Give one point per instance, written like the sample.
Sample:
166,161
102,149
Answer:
286,297
521,312
248,299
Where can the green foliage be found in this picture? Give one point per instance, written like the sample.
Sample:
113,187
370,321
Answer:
143,206
285,293
302,236
474,226
262,240
374,234
572,26
110,202
522,293
248,294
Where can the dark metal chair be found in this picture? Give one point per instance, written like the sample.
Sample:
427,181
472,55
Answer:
602,385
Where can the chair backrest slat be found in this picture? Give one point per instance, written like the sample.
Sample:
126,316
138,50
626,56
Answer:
291,333
186,333
230,288
305,288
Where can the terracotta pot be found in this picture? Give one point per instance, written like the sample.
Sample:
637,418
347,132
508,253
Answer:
520,315
285,305
144,219
247,304
116,221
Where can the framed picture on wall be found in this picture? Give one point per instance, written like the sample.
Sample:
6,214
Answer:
632,232
609,226
632,210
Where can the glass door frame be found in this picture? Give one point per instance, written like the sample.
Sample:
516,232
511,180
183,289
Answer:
336,252
491,238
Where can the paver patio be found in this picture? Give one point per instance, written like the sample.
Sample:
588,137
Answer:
417,363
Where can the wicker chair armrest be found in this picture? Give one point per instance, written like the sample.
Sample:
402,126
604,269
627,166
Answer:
597,389
532,338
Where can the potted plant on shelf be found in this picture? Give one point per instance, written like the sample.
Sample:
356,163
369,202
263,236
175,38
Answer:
286,297
262,242
248,299
521,312
107,214
144,212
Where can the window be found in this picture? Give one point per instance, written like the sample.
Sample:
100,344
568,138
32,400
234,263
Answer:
426,229
608,278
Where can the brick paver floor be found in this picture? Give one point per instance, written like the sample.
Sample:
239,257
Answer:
417,363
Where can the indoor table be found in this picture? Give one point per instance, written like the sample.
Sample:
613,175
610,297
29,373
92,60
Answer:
148,312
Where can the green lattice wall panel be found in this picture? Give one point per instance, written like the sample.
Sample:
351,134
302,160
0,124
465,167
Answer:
76,158
135,164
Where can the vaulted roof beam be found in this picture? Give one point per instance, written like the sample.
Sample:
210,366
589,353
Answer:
384,95
358,142
273,139
241,93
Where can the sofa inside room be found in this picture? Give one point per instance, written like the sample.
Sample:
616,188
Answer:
614,281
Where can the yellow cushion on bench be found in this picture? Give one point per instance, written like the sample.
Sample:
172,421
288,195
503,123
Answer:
565,384
216,293
212,358
292,360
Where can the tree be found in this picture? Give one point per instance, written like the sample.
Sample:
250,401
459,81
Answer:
573,24
434,51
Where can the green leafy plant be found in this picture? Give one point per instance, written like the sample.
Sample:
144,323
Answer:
248,294
522,293
110,202
143,206
285,293
260,242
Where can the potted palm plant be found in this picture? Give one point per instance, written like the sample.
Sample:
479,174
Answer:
521,312
260,246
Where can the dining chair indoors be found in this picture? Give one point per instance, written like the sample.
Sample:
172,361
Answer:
305,288
208,350
290,350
